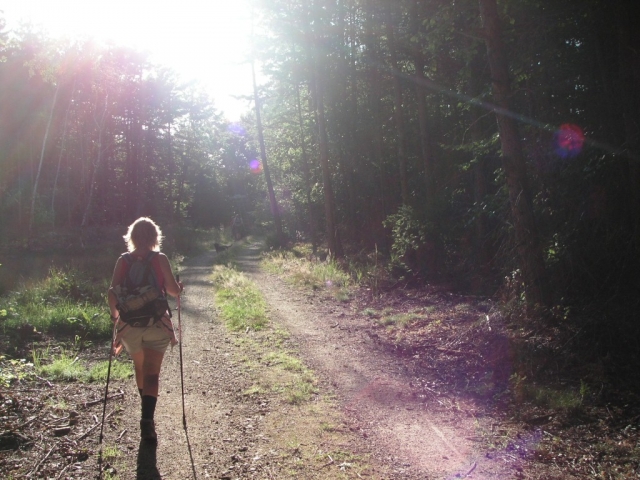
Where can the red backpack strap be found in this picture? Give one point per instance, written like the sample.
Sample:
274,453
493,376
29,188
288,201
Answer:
155,265
127,260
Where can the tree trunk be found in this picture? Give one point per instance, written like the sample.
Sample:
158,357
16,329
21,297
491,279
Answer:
431,252
306,172
96,166
44,146
62,147
263,154
629,71
426,149
333,238
513,162
479,172
398,113
378,209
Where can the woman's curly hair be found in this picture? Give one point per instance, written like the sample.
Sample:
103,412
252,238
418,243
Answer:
143,233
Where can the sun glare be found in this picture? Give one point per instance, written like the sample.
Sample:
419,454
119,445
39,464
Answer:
204,41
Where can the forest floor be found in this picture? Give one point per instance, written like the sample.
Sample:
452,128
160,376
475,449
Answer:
329,389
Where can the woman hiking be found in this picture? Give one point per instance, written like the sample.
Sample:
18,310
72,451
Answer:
148,335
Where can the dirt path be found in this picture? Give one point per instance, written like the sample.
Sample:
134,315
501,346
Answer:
419,436
217,413
405,434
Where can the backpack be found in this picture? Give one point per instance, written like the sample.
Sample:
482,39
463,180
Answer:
141,302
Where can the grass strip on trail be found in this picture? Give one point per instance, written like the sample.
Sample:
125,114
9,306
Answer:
239,302
304,424
317,275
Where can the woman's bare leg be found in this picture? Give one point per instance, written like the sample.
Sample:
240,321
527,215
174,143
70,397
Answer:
151,364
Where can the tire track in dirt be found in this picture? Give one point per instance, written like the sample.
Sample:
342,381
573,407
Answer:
411,438
223,426
419,437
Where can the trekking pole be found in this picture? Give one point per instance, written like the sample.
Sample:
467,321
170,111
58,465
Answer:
106,394
184,415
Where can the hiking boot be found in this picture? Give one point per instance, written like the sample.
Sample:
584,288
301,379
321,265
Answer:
148,430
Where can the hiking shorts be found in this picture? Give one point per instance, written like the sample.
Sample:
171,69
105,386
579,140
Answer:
154,337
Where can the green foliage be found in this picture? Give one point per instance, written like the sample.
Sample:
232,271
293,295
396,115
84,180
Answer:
12,370
239,301
63,303
300,390
119,371
110,453
67,367
327,276
562,398
272,242
285,361
408,232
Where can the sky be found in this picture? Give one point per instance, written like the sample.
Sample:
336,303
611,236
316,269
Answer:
203,40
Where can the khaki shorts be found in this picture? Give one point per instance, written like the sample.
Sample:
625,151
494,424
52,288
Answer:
154,337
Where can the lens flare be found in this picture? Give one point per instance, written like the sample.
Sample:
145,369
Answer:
255,166
569,140
237,129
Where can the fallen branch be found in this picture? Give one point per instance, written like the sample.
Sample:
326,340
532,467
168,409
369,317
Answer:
331,461
62,471
85,434
37,467
49,384
20,427
473,467
96,402
458,352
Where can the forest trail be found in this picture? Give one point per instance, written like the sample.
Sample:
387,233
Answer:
231,435
375,390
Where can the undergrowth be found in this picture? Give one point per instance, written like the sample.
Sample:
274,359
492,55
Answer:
66,302
318,275
239,301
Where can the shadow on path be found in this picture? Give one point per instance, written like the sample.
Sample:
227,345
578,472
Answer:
249,258
147,468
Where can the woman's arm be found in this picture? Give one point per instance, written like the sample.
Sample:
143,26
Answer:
116,279
172,287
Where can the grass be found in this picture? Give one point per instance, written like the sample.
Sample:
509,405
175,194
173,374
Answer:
110,453
400,319
13,370
61,294
65,367
555,399
57,403
65,302
119,371
285,361
306,428
239,301
305,422
326,276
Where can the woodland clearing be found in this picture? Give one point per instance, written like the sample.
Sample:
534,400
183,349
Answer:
403,384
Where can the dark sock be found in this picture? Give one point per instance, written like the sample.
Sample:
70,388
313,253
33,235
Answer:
148,407
140,390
